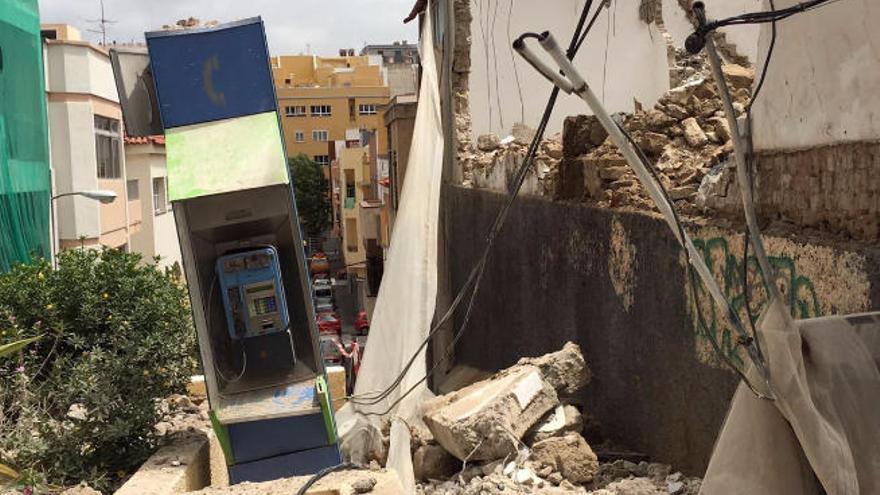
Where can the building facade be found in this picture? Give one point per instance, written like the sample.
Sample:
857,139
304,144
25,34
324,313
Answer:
86,142
399,119
147,188
326,99
401,62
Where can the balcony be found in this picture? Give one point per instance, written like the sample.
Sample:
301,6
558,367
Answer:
349,203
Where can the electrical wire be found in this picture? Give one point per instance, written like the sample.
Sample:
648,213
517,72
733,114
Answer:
324,472
522,104
692,278
475,277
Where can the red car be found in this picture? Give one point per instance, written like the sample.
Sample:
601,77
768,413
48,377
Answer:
329,323
362,324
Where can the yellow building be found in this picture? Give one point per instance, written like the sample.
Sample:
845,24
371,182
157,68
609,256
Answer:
326,99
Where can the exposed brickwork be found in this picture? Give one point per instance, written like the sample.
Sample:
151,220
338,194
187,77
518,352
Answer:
833,188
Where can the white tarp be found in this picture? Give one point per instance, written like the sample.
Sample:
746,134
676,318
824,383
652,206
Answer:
405,305
821,435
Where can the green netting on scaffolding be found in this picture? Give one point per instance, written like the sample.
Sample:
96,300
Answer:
24,149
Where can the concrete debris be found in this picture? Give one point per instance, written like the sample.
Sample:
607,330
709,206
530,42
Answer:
431,461
565,370
522,134
364,485
738,77
180,416
486,420
693,133
685,135
569,455
563,419
510,434
488,142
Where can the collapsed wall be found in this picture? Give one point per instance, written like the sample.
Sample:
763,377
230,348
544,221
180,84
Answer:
584,257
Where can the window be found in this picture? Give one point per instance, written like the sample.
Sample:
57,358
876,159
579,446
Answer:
299,136
367,109
134,193
322,159
320,136
320,110
107,148
295,111
159,202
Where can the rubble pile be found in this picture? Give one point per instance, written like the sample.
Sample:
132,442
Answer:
518,432
686,135
180,416
493,162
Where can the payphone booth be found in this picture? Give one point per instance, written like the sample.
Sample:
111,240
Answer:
210,91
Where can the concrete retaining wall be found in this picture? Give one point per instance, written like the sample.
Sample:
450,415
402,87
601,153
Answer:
614,282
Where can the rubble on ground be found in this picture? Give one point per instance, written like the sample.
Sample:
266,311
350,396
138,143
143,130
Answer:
518,432
181,416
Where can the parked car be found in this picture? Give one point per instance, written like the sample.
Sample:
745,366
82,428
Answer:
322,291
329,323
324,304
361,323
319,263
330,345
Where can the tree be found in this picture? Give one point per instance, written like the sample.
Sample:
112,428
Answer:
312,194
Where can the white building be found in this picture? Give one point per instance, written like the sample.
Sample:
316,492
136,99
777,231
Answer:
147,187
89,151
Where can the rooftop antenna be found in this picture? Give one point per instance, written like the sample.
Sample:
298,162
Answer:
102,25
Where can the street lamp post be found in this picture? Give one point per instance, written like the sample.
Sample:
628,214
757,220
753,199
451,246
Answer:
102,195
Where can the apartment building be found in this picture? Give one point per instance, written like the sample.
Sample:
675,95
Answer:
86,143
326,99
401,62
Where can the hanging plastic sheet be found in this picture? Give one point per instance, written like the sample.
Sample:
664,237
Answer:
821,435
406,302
24,146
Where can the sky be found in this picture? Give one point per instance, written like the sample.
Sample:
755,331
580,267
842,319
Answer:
320,27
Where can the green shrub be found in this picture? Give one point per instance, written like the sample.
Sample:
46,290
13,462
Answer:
78,404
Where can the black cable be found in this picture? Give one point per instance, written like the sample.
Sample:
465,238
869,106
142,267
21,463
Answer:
577,46
692,279
324,472
697,40
475,276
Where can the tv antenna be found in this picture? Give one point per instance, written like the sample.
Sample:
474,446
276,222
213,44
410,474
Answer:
102,25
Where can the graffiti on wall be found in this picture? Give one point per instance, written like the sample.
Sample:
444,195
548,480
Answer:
798,290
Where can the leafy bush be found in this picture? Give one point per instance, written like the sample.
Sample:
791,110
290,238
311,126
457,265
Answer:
78,404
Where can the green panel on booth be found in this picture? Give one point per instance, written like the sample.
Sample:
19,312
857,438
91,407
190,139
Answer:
224,156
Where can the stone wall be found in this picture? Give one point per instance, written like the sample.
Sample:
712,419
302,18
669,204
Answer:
614,282
831,188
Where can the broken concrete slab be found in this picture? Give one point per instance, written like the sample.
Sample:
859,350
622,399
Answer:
563,419
176,468
565,369
570,455
486,420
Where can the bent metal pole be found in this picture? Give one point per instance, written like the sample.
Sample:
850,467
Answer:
567,78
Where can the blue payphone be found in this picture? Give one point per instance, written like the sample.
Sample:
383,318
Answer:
253,295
